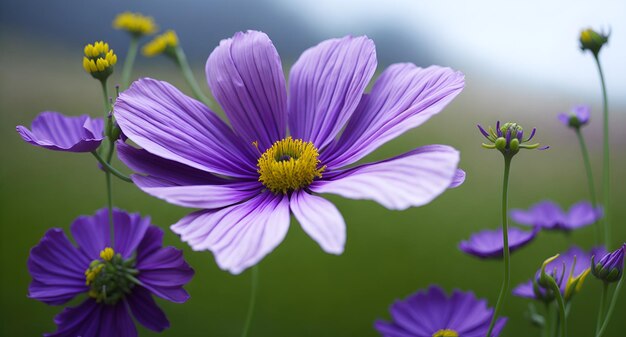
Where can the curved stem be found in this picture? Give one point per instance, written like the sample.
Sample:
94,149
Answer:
505,239
590,183
113,170
253,294
559,299
181,59
606,179
607,317
130,61
605,288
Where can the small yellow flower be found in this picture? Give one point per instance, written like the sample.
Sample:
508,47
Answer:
99,60
135,23
107,254
164,43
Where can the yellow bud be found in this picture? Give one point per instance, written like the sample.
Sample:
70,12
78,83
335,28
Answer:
107,254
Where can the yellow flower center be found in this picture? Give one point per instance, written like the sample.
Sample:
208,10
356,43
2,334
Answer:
446,333
290,164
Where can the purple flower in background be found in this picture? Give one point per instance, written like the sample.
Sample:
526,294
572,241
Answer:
489,243
119,280
569,270
577,117
432,313
549,215
55,131
249,178
610,267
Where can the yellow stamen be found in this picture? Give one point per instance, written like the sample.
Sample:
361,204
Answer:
107,254
92,273
446,333
135,23
290,164
99,59
161,44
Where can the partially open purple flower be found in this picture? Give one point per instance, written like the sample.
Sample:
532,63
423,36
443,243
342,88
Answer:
248,178
489,243
548,215
115,279
55,131
610,267
431,313
508,138
577,117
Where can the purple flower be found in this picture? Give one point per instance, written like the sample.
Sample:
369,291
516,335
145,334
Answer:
568,270
611,266
508,138
432,313
116,279
489,243
548,215
249,178
577,117
55,131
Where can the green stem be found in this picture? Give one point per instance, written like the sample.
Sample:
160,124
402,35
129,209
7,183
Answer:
105,94
590,183
605,288
130,61
108,118
547,332
505,239
607,317
181,59
253,294
559,299
606,179
108,167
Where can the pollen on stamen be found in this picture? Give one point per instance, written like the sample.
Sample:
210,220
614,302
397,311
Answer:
446,333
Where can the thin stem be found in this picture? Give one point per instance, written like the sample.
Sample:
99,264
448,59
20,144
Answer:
607,318
505,239
605,288
110,206
110,168
253,294
107,111
105,93
547,332
606,178
592,188
181,59
559,299
130,61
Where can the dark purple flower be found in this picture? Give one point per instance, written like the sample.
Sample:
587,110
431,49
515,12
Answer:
548,215
611,266
118,281
577,117
432,313
489,243
248,178
569,270
55,131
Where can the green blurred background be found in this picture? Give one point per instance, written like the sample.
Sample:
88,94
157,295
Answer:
389,254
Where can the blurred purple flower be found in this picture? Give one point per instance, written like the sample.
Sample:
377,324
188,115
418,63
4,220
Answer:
432,313
249,178
55,131
548,215
577,117
610,267
489,243
61,271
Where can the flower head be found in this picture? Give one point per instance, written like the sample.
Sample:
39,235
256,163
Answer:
489,243
161,44
577,117
548,215
610,267
433,313
54,131
592,40
508,138
114,278
99,60
249,176
135,23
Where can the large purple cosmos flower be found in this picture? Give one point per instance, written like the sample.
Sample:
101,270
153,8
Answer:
116,279
489,243
549,215
54,131
431,313
248,178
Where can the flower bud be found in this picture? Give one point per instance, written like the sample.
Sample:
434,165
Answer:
162,44
577,117
135,23
508,139
99,60
592,40
610,267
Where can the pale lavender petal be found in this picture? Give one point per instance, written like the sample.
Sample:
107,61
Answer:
247,80
582,112
563,118
171,125
545,214
321,220
403,97
241,235
325,86
582,214
412,179
459,179
54,131
146,311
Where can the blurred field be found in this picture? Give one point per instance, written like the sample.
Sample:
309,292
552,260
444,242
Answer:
303,291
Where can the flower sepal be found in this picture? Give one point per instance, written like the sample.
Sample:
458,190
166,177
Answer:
593,41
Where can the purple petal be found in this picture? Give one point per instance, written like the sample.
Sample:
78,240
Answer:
146,311
403,97
241,235
582,214
326,84
563,118
489,243
57,269
458,180
412,179
83,320
525,290
321,220
55,131
247,79
582,112
545,214
165,122
483,131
